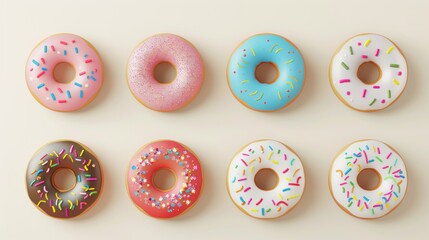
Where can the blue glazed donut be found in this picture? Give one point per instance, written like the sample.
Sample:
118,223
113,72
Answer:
266,48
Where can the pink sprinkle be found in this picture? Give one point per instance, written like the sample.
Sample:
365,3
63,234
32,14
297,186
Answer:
366,205
345,179
388,156
245,154
31,69
364,56
62,101
73,41
95,179
81,169
385,167
37,184
245,163
40,74
60,90
377,52
293,184
343,183
378,150
250,200
43,60
344,80
399,73
396,171
376,87
358,203
67,212
359,43
47,170
260,201
348,194
383,101
46,88
355,161
366,157
71,148
242,179
286,170
285,156
364,93
82,73
44,156
50,202
53,48
348,93
88,61
245,190
282,202
63,43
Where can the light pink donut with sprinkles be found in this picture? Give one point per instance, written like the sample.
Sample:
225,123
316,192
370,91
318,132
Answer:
165,97
56,49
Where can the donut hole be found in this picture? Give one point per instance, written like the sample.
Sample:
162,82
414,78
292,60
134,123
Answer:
165,72
266,72
164,179
63,179
64,72
369,179
369,73
266,179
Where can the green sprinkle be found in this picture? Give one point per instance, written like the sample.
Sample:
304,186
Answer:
396,161
389,94
378,158
351,50
351,183
350,204
390,169
373,101
393,65
344,190
372,210
345,66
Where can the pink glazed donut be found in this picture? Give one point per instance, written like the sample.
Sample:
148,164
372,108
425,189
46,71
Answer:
165,97
56,49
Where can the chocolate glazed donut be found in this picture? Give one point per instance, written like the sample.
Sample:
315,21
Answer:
43,190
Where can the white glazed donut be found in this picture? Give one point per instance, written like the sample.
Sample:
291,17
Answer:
352,198
265,154
351,55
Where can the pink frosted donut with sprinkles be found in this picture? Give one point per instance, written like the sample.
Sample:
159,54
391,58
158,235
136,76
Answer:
360,200
165,97
368,96
62,201
181,162
57,96
266,203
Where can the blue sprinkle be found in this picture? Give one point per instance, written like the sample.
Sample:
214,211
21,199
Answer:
77,84
173,205
143,191
143,172
38,172
181,164
35,62
370,161
136,193
53,97
81,94
263,211
385,199
394,193
78,178
348,170
366,199
44,69
65,52
241,198
270,148
40,86
45,49
93,78
286,189
68,94
367,148
76,50
167,157
133,167
85,56
349,199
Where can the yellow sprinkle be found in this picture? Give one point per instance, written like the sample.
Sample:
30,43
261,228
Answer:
387,205
367,42
240,189
379,203
275,162
254,210
280,196
251,169
275,45
289,61
253,52
254,93
46,196
389,49
278,50
74,194
358,167
56,195
41,201
395,82
361,208
373,148
293,78
244,81
81,153
71,158
287,179
291,84
354,198
269,156
86,168
292,197
278,94
65,155
56,154
71,204
77,202
380,193
53,208
252,161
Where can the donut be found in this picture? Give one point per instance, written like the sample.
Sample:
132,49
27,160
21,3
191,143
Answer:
259,203
56,49
43,190
355,199
182,162
165,97
368,48
266,48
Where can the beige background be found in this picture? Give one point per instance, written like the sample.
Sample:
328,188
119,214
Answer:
215,125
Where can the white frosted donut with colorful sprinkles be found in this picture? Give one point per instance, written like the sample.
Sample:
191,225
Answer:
56,49
258,203
375,49
379,157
